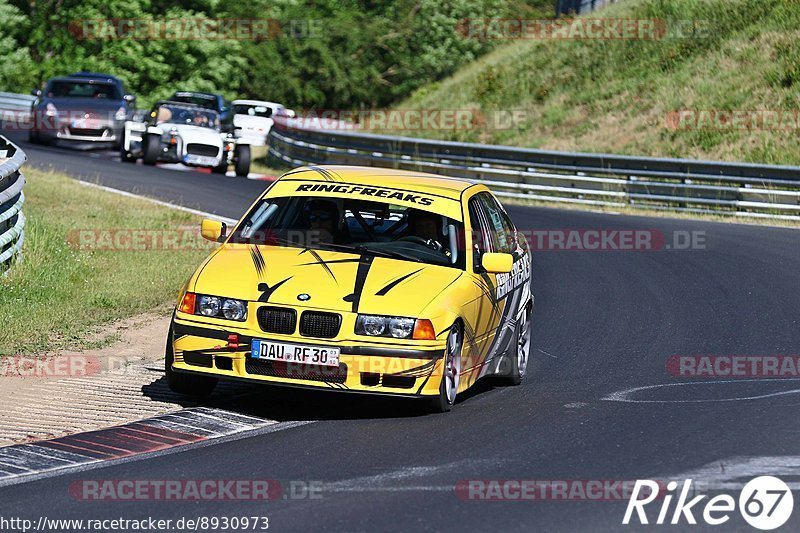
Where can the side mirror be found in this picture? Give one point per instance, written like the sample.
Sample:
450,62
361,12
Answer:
213,230
130,98
496,263
36,92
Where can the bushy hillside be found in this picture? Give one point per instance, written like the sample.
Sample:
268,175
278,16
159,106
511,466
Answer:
621,95
321,53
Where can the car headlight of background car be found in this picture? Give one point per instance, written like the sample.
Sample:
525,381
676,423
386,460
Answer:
395,327
214,306
121,113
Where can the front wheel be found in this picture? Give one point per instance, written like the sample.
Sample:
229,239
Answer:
451,372
243,161
125,156
222,168
152,146
522,348
188,384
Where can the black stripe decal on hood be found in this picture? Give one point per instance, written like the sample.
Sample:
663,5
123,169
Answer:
258,260
267,290
321,261
395,283
361,278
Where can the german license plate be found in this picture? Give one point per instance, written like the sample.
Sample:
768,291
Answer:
200,160
86,124
294,353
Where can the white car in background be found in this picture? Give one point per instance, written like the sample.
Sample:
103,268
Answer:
176,132
252,119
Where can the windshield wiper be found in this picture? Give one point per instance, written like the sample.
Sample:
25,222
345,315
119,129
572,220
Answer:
364,249
387,253
357,249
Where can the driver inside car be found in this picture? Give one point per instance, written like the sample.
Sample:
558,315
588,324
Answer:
322,219
426,226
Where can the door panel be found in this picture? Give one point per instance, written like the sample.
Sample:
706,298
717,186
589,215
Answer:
483,312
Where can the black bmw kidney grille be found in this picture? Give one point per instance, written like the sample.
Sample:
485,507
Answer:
202,149
277,319
321,325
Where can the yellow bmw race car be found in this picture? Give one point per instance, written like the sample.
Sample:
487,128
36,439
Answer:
358,279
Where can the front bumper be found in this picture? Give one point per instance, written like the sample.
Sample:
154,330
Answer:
99,131
377,368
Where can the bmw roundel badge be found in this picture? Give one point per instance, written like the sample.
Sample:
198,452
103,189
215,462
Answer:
303,297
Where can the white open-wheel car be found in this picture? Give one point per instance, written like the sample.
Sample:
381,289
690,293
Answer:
176,132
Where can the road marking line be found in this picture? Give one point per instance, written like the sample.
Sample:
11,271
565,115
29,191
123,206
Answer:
624,395
732,473
204,214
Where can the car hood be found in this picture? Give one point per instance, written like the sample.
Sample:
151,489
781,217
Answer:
335,281
195,134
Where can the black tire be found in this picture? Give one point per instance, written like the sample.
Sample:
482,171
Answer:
188,384
444,401
33,137
243,160
125,156
519,359
152,145
222,168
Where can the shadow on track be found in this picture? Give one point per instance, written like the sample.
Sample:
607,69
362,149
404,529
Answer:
295,404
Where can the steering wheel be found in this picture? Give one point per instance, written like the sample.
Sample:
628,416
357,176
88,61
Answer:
428,243
414,239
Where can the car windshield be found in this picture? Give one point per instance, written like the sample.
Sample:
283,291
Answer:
206,101
82,89
252,110
356,226
193,116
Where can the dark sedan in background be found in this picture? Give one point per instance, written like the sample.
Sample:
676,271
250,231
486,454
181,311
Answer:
84,106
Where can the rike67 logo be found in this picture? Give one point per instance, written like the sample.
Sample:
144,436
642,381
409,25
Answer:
765,503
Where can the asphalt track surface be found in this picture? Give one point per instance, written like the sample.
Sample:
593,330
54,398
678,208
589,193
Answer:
604,322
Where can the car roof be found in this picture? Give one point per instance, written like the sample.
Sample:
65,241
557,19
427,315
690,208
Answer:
182,104
257,102
100,79
86,74
421,182
208,96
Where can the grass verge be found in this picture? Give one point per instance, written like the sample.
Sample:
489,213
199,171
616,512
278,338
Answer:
59,296
617,96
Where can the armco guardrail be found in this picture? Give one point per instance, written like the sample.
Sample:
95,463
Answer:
15,107
12,221
579,178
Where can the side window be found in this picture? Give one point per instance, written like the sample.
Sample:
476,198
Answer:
508,227
501,232
481,240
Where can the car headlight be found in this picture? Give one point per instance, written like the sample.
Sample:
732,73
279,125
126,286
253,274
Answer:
50,110
121,113
401,328
394,326
234,309
214,306
208,305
